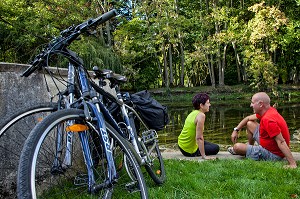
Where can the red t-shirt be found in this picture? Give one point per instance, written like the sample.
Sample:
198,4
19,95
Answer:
271,124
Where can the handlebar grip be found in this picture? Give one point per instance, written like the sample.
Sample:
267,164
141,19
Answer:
35,65
29,71
105,17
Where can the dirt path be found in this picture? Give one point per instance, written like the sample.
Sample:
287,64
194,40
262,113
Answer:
169,153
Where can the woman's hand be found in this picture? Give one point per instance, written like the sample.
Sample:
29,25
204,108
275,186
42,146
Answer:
208,158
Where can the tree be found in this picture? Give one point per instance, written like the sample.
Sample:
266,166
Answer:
264,38
27,25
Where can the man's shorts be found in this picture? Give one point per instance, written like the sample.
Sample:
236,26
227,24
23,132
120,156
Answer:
258,152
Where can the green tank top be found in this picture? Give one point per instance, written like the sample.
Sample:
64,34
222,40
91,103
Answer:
187,137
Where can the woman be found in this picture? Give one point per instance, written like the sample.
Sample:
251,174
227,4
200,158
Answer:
191,141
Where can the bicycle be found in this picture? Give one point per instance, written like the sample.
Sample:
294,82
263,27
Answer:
157,174
40,166
143,139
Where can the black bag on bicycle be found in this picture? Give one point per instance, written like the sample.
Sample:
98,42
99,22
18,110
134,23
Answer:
152,112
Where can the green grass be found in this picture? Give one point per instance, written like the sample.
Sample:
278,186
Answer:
227,179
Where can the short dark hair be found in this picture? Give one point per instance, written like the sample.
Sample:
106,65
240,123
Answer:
198,99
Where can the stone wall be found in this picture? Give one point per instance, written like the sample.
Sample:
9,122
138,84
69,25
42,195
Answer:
16,93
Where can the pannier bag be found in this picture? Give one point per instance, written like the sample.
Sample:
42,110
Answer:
151,111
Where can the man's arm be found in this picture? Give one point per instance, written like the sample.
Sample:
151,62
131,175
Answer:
243,123
285,150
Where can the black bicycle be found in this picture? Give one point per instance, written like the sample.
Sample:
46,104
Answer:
143,139
51,163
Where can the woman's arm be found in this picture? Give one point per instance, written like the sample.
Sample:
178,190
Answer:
199,121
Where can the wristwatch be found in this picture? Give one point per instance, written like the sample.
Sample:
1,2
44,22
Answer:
236,129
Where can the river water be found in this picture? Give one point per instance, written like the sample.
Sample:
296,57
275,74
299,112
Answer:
221,120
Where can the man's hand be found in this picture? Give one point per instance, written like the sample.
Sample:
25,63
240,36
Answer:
290,166
234,136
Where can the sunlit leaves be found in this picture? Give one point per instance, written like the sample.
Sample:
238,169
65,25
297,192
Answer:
264,40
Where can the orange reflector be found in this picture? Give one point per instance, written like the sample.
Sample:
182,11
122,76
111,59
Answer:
120,165
39,119
158,172
77,128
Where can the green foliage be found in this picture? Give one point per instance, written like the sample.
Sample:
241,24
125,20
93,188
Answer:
264,40
266,35
27,25
94,53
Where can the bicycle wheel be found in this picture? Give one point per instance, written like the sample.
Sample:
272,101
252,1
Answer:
36,178
13,132
148,144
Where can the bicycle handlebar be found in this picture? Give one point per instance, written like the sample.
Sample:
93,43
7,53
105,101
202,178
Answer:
66,37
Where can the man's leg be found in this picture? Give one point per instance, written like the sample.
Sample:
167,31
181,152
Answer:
241,148
251,127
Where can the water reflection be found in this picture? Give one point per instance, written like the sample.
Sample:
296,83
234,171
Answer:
221,120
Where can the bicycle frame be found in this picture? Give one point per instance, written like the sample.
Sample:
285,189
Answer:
87,93
124,110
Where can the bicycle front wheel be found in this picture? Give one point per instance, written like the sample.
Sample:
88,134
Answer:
50,169
14,129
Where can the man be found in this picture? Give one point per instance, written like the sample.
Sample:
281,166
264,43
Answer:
272,134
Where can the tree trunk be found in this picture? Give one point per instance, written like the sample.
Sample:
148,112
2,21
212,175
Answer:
171,66
165,77
109,40
221,72
211,70
158,65
223,66
207,5
181,62
237,61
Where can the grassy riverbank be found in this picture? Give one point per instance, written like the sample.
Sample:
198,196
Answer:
227,179
224,95
229,97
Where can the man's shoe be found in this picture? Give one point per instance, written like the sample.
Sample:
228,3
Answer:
230,150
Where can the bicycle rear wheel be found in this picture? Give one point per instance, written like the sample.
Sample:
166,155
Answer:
148,144
13,131
38,178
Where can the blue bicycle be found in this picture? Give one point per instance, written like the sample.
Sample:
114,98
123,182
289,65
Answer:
74,152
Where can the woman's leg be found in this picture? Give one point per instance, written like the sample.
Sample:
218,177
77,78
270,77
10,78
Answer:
186,153
211,148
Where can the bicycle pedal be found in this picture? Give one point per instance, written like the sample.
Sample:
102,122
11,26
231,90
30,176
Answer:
132,187
81,179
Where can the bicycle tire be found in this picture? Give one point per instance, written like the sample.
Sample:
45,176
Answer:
34,171
13,132
155,164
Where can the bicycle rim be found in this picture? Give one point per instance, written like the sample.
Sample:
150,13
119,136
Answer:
68,181
150,151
